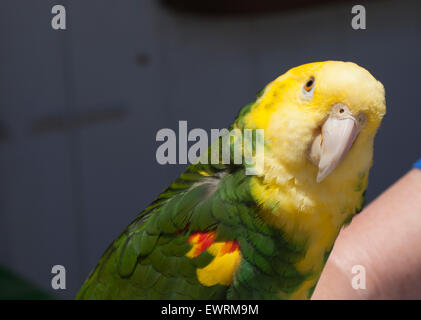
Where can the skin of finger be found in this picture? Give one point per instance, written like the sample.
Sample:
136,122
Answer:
386,240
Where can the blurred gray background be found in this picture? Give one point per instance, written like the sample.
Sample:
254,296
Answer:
80,108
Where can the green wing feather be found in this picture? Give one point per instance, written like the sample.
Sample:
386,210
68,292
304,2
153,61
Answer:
148,260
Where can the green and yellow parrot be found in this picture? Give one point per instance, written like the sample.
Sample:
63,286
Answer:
219,233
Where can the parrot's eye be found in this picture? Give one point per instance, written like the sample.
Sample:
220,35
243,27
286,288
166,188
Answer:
309,84
309,88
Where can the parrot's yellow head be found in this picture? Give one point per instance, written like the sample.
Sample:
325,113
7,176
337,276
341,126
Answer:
319,122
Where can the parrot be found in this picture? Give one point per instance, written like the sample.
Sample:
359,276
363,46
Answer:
219,233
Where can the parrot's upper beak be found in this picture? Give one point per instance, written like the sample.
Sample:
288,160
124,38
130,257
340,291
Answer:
337,135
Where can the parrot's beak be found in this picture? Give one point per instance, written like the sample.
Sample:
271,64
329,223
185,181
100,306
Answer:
337,135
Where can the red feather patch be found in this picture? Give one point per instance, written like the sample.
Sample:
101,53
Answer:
203,240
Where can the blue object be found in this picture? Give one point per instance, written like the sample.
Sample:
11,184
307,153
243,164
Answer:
418,164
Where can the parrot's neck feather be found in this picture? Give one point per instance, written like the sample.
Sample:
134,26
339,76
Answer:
307,212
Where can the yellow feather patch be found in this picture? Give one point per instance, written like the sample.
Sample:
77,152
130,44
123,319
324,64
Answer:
226,254
221,269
